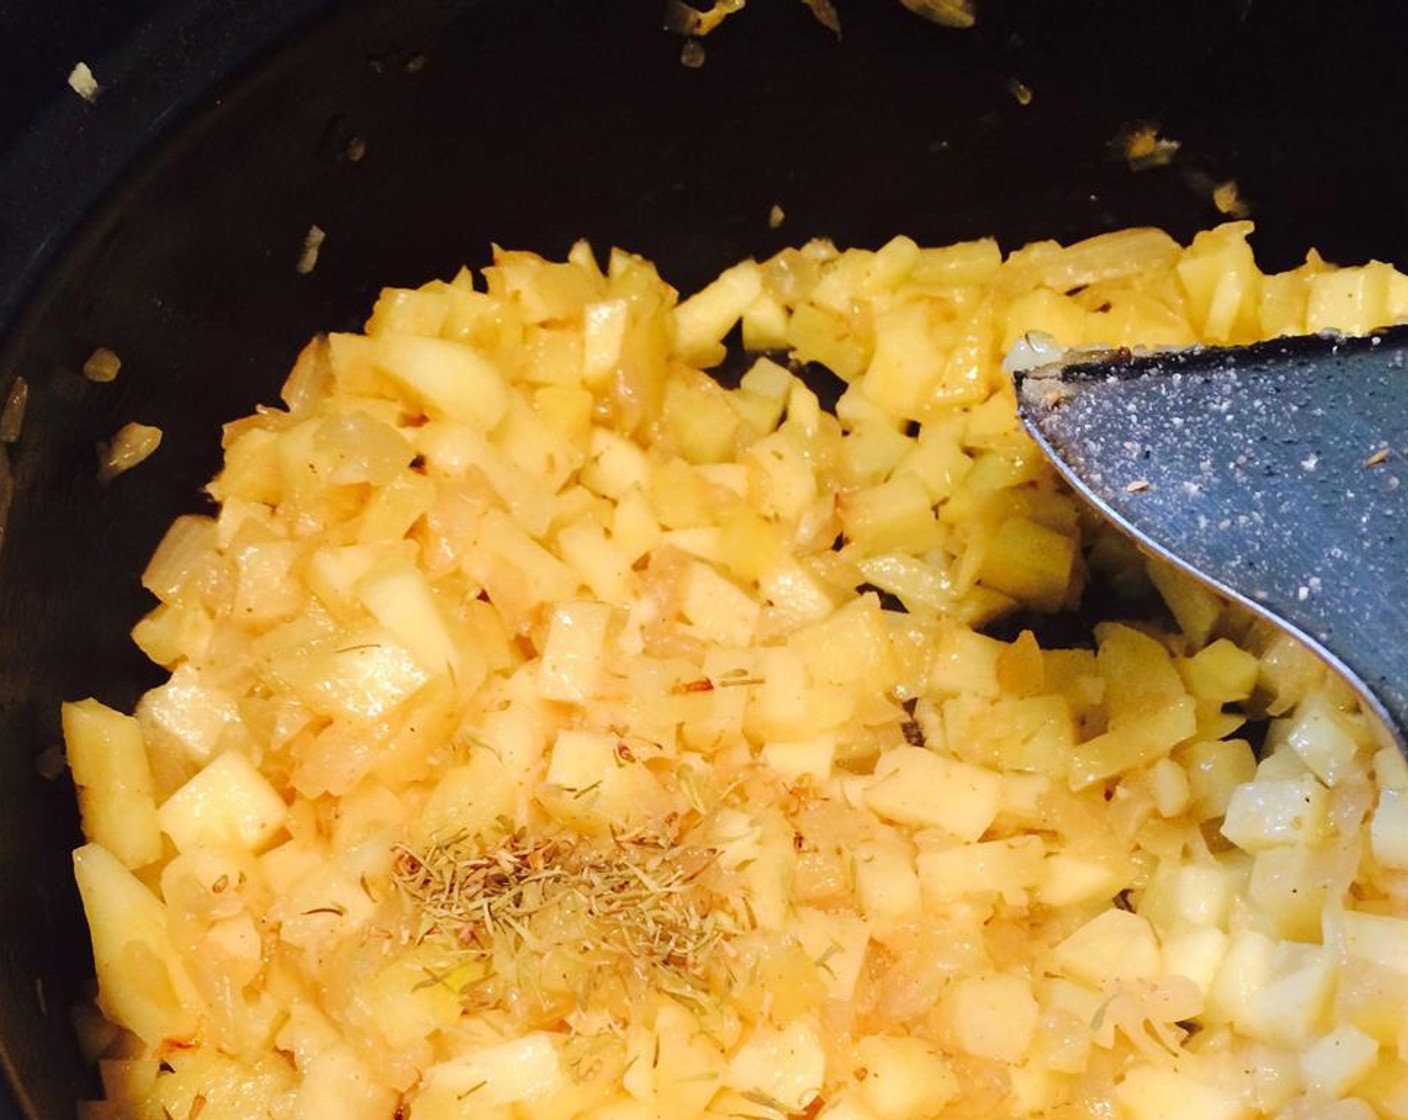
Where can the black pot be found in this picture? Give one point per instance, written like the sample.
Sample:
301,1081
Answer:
165,220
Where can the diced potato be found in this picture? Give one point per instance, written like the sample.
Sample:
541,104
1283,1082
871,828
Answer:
470,799
1268,812
702,320
891,515
811,758
818,334
1320,735
836,943
1196,954
453,381
1388,830
1154,1093
574,655
108,758
991,1015
1380,939
1221,672
359,681
1010,868
673,1065
917,787
787,1065
1135,742
1068,879
1339,1060
337,1083
1114,945
905,1078
718,609
1215,769
228,803
887,886
142,984
1279,992
1030,562
399,598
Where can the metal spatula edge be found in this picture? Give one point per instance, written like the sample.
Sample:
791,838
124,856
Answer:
1276,473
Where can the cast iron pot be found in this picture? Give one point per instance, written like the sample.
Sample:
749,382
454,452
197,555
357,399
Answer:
164,221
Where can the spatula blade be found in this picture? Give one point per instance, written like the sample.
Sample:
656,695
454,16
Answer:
1277,473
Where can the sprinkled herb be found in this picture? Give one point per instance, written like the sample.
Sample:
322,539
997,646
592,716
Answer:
639,898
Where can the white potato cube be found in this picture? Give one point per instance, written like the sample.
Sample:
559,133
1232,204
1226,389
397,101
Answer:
108,758
717,608
1196,953
1114,945
917,787
398,596
603,331
1158,1093
702,320
142,984
992,1015
337,1083
1336,1062
836,942
575,651
886,883
1318,733
1377,938
228,802
1388,829
1009,868
1267,812
787,1065
1069,879
802,758
521,1070
188,713
451,380
905,1078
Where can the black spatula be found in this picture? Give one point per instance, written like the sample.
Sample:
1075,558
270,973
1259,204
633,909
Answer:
1277,473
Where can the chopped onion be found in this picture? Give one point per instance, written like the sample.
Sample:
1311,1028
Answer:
82,82
102,365
12,415
129,446
312,246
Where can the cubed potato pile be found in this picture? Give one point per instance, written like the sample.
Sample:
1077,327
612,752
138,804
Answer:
554,733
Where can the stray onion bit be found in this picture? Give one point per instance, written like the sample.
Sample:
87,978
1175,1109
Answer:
12,416
1032,350
1139,485
825,13
131,444
312,246
776,217
1020,91
1142,147
82,82
1228,200
1378,458
946,13
102,365
685,20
